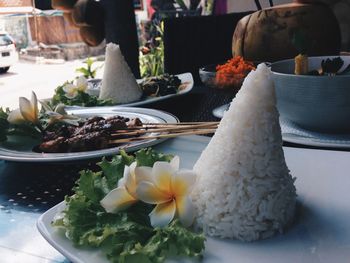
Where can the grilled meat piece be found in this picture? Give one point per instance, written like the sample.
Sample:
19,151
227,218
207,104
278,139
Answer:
87,142
134,123
93,134
53,146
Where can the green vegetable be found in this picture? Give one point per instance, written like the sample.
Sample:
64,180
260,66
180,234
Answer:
87,71
4,124
82,99
331,66
126,236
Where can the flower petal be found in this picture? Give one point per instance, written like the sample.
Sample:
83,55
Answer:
27,111
116,200
182,182
162,173
70,90
162,214
143,173
185,210
34,101
130,182
81,83
149,193
15,117
60,108
45,106
175,162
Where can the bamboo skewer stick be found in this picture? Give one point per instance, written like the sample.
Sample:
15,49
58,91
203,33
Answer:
183,124
162,136
142,130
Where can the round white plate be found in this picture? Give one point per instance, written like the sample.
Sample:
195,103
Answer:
186,81
19,149
219,111
295,134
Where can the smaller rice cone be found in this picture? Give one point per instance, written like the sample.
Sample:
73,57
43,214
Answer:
244,189
118,84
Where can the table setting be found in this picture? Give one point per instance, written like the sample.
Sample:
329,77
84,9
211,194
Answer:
247,163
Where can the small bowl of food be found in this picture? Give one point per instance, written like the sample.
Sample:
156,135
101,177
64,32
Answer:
228,75
317,98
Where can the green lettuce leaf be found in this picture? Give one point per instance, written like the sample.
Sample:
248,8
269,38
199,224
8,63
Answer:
82,99
128,235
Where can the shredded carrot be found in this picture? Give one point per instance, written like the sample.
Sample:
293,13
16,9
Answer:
233,72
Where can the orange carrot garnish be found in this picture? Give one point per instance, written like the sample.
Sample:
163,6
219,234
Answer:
233,72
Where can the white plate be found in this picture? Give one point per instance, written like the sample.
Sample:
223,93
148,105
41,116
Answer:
20,148
295,134
186,81
321,232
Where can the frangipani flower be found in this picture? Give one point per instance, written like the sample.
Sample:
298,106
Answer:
59,114
169,188
72,89
27,111
124,195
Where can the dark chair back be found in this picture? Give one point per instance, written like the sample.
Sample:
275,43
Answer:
192,42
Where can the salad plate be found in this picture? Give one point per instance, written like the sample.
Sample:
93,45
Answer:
293,133
186,86
320,233
20,149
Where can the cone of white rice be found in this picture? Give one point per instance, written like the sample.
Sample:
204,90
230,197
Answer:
244,189
118,84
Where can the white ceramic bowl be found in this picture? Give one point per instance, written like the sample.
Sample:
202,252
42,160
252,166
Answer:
319,103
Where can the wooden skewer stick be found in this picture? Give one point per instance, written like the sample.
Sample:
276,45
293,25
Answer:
167,129
184,123
162,136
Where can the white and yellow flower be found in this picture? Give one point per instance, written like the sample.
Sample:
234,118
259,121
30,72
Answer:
124,195
169,188
27,111
73,89
59,114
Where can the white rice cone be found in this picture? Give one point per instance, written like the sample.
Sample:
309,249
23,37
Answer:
244,189
118,84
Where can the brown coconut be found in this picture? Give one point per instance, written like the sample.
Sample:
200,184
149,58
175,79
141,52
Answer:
266,35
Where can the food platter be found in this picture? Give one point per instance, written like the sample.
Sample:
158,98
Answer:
291,132
19,149
187,83
321,232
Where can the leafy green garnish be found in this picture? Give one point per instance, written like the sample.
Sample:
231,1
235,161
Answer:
331,66
4,124
128,235
82,99
87,71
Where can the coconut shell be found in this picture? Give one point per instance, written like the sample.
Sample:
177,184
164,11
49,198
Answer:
93,36
266,35
88,13
65,5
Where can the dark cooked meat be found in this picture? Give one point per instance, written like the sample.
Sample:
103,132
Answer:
92,134
134,123
53,146
88,142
